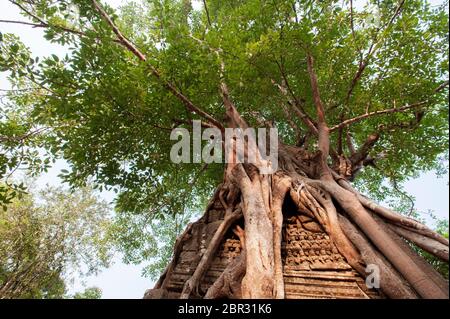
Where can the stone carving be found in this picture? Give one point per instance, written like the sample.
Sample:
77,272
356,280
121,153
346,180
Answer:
312,266
231,248
305,249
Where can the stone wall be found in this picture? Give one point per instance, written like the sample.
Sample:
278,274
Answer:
313,267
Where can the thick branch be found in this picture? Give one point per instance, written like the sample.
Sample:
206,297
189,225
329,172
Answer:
315,90
364,150
324,134
375,113
387,111
324,131
306,119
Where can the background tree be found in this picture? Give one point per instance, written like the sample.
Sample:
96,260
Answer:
358,93
89,293
48,238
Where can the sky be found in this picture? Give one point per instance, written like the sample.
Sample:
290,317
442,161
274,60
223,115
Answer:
125,281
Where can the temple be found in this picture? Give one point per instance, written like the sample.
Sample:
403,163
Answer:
312,265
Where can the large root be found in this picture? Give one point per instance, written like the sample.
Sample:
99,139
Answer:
228,285
318,204
441,285
427,244
258,281
394,217
205,261
280,188
391,282
402,261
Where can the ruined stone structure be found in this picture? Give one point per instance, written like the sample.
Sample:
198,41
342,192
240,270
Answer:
312,265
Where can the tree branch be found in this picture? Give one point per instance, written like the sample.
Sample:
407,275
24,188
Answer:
298,110
169,86
42,23
207,12
372,49
375,113
387,111
36,25
363,151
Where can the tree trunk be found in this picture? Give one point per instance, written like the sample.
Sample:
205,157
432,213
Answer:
363,236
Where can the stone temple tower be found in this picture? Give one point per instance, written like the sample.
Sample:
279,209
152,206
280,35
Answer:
312,265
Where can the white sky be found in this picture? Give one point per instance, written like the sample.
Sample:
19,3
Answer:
124,281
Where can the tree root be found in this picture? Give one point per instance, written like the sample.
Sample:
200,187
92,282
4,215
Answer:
392,284
280,188
205,261
427,244
228,285
258,281
384,242
432,276
319,204
393,217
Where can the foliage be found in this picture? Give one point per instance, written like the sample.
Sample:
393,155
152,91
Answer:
148,242
48,237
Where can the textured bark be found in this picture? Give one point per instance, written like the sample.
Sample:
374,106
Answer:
431,275
258,281
228,285
429,245
363,237
393,216
281,186
345,247
391,282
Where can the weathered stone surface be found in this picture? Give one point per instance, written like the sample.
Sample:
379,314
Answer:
312,265
214,215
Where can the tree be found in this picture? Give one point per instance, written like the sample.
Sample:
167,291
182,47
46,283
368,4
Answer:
45,239
89,293
358,94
